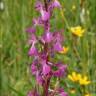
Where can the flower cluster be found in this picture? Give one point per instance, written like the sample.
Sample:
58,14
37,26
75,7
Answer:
43,48
77,31
76,77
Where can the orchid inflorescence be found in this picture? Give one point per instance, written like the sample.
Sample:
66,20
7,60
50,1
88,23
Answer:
50,43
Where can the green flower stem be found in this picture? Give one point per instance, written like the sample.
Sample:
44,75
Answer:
68,27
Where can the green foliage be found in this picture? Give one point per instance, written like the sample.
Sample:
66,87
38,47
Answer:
15,77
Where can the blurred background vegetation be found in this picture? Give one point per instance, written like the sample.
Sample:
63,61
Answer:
17,15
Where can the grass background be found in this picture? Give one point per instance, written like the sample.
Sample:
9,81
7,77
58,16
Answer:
17,15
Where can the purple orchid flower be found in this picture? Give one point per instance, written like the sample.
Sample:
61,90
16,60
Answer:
33,93
33,50
31,30
62,92
38,6
44,15
58,47
32,40
39,78
43,49
30,93
58,36
46,69
56,4
37,21
47,37
61,70
34,69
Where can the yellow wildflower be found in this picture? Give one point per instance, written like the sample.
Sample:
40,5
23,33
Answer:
78,31
84,81
74,77
65,50
87,94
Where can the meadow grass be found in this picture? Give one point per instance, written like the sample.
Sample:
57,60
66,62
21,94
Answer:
15,77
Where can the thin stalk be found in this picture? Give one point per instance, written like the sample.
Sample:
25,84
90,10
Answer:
47,78
46,6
